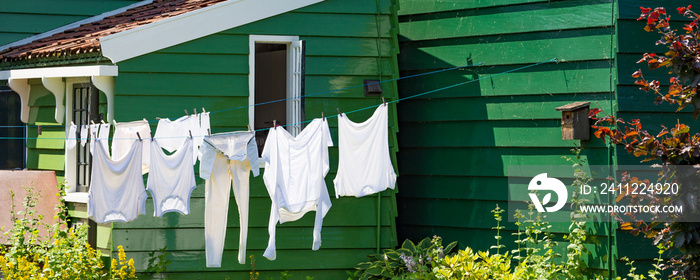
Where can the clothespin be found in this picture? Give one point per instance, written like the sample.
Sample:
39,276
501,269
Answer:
115,122
102,121
186,113
139,136
71,123
339,113
274,123
190,134
209,131
203,110
38,128
383,101
249,129
158,118
322,116
92,122
195,111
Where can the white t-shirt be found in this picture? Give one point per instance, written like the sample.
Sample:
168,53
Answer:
116,186
364,166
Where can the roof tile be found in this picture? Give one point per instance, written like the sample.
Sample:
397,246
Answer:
85,38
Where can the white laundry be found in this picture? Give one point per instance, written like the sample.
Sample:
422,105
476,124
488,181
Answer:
226,157
171,179
171,134
104,135
84,132
364,166
116,186
125,136
204,129
294,172
94,129
71,137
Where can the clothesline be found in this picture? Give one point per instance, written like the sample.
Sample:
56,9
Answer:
331,116
285,99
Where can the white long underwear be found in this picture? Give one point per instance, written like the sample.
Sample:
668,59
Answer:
125,136
226,158
171,179
116,186
364,166
171,134
294,172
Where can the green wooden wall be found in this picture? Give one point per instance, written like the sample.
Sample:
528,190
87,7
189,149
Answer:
22,19
212,72
457,144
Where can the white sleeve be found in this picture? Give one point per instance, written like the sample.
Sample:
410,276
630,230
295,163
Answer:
269,155
206,163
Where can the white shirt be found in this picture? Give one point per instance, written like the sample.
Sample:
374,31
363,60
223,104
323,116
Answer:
294,172
364,166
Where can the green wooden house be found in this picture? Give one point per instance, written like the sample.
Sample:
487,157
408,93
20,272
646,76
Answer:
158,58
457,145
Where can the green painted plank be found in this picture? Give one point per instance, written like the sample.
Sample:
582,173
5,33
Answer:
633,38
45,159
192,239
630,9
259,217
519,107
631,99
511,19
104,237
187,63
346,66
177,84
330,86
212,44
64,7
32,23
409,7
47,139
301,24
128,108
9,37
552,78
543,133
286,259
627,64
344,46
474,214
486,161
568,45
348,6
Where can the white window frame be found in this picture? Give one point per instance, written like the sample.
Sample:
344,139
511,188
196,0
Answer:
72,195
294,61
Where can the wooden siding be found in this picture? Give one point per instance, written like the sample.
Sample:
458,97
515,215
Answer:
212,72
22,19
457,144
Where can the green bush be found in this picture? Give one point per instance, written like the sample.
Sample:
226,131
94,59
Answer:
63,254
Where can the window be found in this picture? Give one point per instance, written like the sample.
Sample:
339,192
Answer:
85,104
12,151
276,73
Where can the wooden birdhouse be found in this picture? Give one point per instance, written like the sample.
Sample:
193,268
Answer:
574,121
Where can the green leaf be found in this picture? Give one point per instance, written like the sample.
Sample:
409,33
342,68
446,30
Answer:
450,247
364,265
409,246
393,255
374,270
425,243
